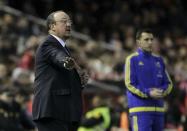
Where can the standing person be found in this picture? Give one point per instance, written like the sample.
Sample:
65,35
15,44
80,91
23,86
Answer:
148,83
57,104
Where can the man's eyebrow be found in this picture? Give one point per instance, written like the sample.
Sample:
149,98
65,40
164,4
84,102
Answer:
148,38
66,18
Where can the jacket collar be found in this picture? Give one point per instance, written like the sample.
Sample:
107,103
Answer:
59,40
53,40
144,53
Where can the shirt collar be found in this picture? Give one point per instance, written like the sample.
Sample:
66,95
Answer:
59,40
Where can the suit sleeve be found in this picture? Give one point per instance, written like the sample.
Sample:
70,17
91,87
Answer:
54,55
131,79
167,85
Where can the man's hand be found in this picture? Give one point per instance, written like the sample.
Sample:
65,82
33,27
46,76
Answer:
83,74
156,93
69,63
84,77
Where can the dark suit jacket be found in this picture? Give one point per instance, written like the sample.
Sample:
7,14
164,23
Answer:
57,91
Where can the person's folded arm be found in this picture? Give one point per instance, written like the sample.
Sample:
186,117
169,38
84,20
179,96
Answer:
131,80
167,84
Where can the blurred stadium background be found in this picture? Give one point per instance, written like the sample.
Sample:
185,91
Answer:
102,37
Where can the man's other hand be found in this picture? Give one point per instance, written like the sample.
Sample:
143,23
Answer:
156,93
84,77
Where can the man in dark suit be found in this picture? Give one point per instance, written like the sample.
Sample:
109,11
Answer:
57,104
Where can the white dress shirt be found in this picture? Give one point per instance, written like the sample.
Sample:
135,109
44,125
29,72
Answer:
59,40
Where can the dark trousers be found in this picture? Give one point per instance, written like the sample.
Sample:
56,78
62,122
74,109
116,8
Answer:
147,122
49,124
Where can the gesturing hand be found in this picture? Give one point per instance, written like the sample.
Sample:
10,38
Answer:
69,63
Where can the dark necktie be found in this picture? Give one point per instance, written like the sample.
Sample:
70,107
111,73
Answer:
67,50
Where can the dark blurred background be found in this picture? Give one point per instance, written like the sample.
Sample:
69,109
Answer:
103,35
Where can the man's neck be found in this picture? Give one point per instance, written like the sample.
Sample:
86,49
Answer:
54,34
145,51
61,41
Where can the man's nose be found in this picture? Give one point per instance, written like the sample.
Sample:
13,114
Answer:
68,23
150,42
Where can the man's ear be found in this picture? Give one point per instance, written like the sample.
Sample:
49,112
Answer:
52,27
138,42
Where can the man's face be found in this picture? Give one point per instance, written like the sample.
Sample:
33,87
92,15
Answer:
145,41
62,25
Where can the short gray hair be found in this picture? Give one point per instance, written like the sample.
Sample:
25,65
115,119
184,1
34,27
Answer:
50,19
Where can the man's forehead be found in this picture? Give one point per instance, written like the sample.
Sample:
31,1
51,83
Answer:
60,15
147,35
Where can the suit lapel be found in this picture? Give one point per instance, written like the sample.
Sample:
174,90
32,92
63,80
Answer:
67,50
51,39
